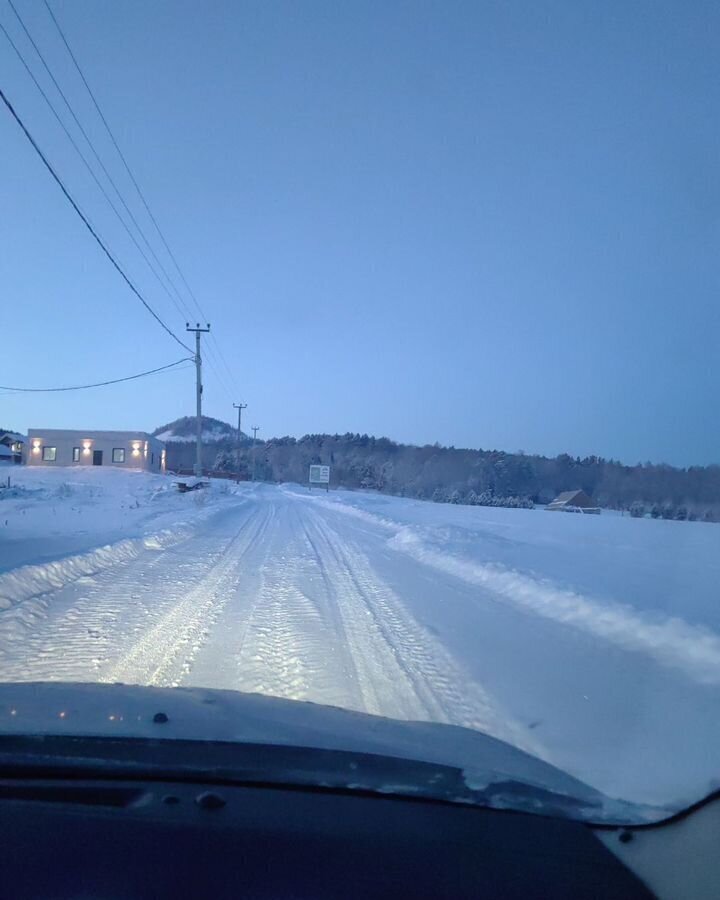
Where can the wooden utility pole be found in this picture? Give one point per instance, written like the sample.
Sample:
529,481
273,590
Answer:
198,393
239,407
255,430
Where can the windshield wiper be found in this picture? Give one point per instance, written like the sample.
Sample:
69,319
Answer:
272,765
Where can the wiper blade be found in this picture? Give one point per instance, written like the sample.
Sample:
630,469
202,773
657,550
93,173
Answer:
218,762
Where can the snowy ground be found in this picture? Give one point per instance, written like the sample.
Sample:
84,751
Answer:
593,642
50,513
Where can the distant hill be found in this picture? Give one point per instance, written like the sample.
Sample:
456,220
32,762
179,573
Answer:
453,475
183,430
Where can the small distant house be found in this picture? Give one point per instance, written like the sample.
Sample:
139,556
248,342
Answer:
118,449
574,501
11,447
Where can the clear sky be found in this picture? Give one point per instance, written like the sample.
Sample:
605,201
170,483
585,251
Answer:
490,224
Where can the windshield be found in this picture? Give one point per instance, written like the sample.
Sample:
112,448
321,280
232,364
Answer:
285,288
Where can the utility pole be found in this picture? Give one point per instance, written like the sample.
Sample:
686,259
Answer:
255,430
239,407
198,393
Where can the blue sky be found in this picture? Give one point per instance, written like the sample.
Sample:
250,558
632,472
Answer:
490,224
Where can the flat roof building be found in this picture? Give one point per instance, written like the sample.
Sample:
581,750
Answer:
120,449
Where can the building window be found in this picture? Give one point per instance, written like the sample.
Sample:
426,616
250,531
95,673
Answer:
76,454
118,455
49,454
152,459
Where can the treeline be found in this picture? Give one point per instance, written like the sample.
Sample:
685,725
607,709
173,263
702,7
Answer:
484,477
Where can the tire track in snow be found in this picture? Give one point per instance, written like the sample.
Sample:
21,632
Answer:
290,647
215,665
285,604
164,654
343,638
383,686
407,673
83,624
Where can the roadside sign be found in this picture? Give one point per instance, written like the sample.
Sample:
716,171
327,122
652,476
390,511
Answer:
319,474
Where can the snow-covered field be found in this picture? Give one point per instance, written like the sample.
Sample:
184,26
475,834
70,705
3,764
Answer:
593,642
51,513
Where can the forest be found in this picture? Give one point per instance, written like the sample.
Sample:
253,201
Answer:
455,475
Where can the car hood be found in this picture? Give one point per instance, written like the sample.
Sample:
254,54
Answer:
493,772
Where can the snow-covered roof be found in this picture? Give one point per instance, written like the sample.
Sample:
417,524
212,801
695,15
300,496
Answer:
90,434
12,437
572,498
569,495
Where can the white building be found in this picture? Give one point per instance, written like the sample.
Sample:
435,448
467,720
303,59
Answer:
120,449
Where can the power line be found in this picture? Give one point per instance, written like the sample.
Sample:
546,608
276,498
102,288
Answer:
84,387
221,357
101,187
182,307
82,156
87,224
129,171
96,155
119,151
183,311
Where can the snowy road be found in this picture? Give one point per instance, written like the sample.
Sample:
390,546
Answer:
593,642
276,596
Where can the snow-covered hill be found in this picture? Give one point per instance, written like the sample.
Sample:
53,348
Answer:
184,430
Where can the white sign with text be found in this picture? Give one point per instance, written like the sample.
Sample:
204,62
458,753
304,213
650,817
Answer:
319,474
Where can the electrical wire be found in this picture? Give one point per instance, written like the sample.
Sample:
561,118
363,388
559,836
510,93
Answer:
183,309
96,155
84,387
179,304
117,148
185,312
87,224
82,156
129,171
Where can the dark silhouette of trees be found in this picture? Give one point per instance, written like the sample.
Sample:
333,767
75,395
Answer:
459,475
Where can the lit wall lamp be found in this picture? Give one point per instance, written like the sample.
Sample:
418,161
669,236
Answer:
36,446
86,447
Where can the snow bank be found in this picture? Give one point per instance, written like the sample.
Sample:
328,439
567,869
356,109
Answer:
25,582
671,641
58,526
48,512
460,537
